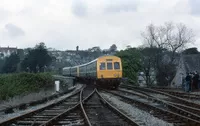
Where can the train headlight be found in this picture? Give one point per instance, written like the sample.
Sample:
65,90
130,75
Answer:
116,75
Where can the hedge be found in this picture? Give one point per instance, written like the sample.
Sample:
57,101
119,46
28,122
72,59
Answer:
23,83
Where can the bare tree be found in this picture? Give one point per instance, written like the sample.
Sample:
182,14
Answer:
150,58
170,37
178,37
154,36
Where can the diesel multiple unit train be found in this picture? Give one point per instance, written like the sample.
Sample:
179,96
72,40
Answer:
105,71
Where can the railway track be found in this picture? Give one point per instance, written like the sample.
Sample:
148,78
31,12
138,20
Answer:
23,106
176,101
47,113
159,108
81,108
171,98
88,90
73,116
181,94
100,112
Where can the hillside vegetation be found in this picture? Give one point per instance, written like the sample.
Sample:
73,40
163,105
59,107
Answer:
23,83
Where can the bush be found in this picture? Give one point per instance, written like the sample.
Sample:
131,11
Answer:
23,83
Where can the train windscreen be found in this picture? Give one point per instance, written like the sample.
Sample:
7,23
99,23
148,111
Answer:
116,66
109,66
102,66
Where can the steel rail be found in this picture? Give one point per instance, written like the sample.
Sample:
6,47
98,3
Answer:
181,94
82,108
128,119
23,106
51,121
4,123
187,110
177,107
177,116
184,101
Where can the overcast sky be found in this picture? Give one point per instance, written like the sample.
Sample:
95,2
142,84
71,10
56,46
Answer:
64,24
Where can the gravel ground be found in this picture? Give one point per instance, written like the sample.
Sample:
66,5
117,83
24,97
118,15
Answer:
129,90
134,112
4,117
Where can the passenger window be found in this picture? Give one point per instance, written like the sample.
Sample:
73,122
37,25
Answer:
116,65
109,66
102,66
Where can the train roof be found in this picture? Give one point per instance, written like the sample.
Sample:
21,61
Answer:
66,67
107,56
97,59
91,61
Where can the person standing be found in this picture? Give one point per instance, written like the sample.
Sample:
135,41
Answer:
197,80
188,82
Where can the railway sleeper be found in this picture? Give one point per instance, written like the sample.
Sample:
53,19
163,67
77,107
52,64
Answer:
32,119
180,111
143,105
29,122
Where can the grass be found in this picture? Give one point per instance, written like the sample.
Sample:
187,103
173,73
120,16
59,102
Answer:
23,83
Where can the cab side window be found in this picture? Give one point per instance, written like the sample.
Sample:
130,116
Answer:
109,66
102,66
116,65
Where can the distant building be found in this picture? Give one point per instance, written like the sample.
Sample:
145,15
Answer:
7,51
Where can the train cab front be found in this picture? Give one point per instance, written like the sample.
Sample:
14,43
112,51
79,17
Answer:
110,73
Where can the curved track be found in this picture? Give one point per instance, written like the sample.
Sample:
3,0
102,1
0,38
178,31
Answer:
46,113
85,107
23,106
169,112
170,98
185,95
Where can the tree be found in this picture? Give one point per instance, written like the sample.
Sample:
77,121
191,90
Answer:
191,51
170,39
150,60
113,48
130,62
10,64
2,61
1,55
94,51
128,46
37,59
169,36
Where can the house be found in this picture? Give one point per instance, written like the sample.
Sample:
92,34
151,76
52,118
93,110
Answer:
7,51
